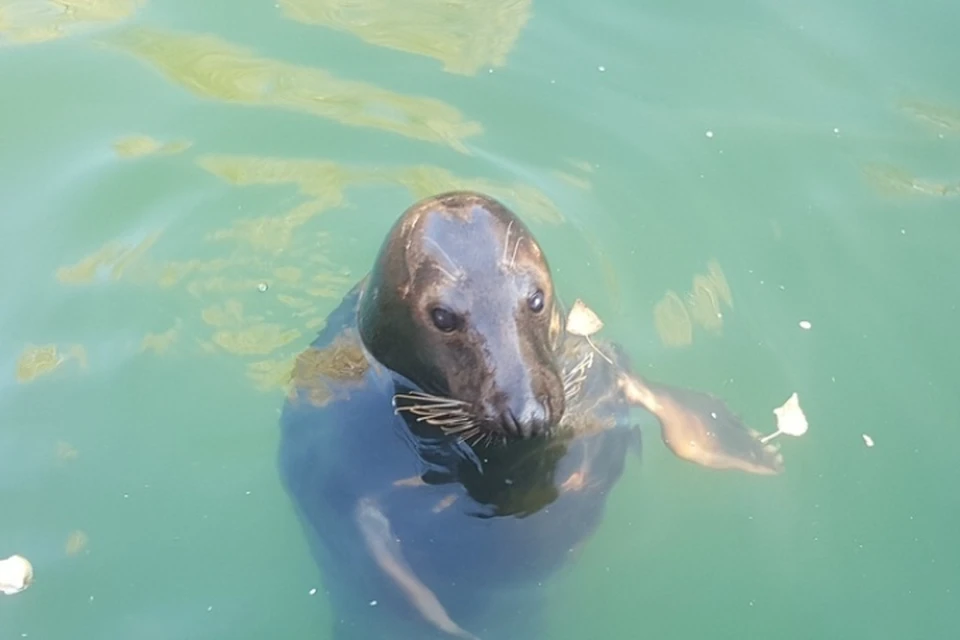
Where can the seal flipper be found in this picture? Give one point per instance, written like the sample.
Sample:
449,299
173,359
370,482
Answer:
700,428
385,549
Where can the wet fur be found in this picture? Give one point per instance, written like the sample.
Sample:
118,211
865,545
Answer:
486,553
427,519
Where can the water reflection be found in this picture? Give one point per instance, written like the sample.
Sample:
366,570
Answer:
462,34
214,68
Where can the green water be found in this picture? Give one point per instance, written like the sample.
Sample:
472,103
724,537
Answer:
139,474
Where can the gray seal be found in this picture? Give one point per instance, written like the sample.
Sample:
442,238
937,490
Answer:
447,443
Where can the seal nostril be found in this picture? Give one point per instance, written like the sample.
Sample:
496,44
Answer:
526,429
546,409
528,418
511,424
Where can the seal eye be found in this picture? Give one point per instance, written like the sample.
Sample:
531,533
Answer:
536,302
443,319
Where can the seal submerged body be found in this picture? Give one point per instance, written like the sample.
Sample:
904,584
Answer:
447,442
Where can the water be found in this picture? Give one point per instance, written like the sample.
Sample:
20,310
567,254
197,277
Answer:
807,150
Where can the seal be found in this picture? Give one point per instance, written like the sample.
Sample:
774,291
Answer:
447,443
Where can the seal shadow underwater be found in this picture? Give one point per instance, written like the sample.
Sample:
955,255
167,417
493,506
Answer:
447,443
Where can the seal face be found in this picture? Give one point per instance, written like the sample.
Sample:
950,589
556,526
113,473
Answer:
447,444
460,302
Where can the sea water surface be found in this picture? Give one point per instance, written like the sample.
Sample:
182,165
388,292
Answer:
758,198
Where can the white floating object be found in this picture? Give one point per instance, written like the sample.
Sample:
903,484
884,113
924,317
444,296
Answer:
790,419
805,324
867,440
582,321
601,68
709,134
16,574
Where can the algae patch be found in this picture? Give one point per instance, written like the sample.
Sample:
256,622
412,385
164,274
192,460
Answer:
138,145
213,68
38,361
77,542
37,21
940,117
162,342
111,261
890,180
675,316
464,35
325,179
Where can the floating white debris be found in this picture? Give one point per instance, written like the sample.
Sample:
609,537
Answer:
836,130
16,574
313,591
582,321
709,134
790,419
867,440
805,324
601,68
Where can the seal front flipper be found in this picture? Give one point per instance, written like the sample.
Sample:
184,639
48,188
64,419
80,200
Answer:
700,428
385,549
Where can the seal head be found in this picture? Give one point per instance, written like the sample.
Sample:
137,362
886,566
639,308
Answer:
460,302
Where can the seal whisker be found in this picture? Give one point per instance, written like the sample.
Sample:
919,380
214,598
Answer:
419,396
496,439
432,410
506,242
477,438
516,248
433,401
449,415
425,410
573,380
444,421
466,436
463,429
